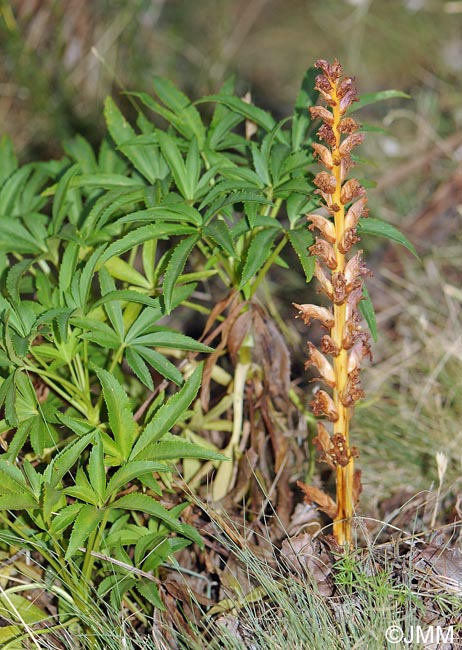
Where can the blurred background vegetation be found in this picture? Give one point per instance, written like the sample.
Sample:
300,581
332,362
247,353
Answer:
59,59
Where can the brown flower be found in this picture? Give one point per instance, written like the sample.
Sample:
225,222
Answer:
325,283
325,252
323,405
308,312
324,155
320,362
326,227
328,346
348,125
351,190
326,183
321,112
353,140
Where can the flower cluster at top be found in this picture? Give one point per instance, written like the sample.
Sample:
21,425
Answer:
340,274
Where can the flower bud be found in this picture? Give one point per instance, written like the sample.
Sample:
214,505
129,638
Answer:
355,212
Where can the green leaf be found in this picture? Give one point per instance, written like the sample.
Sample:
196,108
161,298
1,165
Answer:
145,503
96,471
250,112
145,233
171,339
112,307
168,414
372,98
372,226
68,265
174,448
220,233
66,458
301,239
61,198
367,310
17,608
166,212
18,501
121,421
150,592
14,238
175,268
86,522
139,367
130,471
175,161
159,363
190,122
257,253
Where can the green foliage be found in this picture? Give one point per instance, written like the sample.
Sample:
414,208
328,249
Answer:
97,250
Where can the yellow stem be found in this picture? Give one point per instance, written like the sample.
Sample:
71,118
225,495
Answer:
344,475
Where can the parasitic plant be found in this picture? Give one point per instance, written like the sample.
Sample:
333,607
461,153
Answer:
340,274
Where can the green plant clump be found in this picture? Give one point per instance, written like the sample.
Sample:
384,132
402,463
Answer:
102,253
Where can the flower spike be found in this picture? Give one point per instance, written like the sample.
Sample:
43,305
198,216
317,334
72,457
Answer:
341,279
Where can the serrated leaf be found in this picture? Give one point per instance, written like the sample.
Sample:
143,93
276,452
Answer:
121,422
121,270
96,471
160,363
145,503
86,522
301,239
221,235
18,501
112,308
68,265
175,161
367,310
232,199
14,277
257,253
64,518
180,212
66,459
15,238
139,367
372,98
130,471
175,268
168,414
175,448
17,608
143,234
171,339
61,198
190,123
373,226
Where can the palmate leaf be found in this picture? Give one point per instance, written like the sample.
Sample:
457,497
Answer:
373,226
121,422
179,212
62,197
168,414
